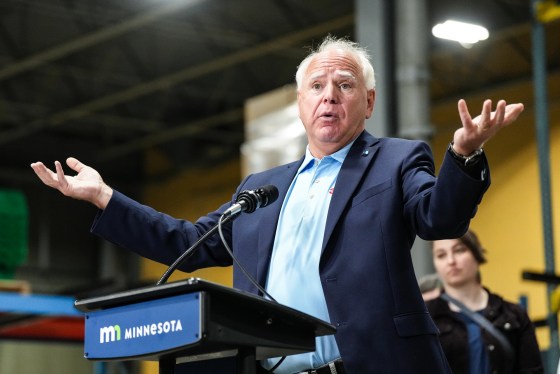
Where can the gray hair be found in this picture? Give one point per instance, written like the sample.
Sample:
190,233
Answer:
359,53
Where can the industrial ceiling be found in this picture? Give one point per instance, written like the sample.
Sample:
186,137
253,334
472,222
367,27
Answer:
106,81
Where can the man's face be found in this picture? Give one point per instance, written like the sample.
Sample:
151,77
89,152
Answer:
333,101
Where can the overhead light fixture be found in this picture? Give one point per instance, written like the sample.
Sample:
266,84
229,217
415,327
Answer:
466,34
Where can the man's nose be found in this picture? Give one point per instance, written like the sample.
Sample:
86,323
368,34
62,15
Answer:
331,94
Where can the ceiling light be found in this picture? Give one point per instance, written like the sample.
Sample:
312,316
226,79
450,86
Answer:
464,33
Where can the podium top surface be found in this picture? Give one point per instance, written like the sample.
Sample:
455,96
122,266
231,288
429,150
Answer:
191,285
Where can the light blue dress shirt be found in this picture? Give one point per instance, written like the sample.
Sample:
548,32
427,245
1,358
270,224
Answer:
293,277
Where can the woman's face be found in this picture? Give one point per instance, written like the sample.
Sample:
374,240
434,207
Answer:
454,262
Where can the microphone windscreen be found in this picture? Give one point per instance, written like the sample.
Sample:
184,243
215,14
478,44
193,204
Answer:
269,193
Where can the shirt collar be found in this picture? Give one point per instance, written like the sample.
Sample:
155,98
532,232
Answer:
339,156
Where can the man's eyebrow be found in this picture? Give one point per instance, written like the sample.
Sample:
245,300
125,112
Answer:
317,75
340,73
345,73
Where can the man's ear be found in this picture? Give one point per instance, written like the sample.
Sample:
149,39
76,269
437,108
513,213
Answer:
370,103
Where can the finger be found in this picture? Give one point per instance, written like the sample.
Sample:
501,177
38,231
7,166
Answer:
37,167
464,114
62,182
512,111
500,112
74,164
485,114
44,173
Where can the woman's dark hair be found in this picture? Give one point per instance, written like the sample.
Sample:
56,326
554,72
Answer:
470,240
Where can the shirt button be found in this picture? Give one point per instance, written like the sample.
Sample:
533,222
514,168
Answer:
491,347
507,326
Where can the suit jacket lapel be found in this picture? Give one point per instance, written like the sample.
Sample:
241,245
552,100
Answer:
269,221
360,156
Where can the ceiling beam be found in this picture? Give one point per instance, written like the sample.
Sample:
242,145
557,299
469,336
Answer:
170,80
9,112
177,132
96,37
199,70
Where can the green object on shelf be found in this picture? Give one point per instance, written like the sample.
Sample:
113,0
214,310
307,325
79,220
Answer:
14,223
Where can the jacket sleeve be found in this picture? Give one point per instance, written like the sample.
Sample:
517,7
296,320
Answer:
442,207
158,236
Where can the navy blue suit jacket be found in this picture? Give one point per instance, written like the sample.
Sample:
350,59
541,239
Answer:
386,193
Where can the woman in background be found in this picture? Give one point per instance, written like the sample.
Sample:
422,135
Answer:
507,345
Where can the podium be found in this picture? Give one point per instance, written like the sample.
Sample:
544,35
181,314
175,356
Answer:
192,320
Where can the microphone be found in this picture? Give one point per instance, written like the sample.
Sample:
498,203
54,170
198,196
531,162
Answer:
249,200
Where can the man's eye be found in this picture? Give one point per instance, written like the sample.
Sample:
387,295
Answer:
316,86
345,86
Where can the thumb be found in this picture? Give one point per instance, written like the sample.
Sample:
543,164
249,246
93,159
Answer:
74,164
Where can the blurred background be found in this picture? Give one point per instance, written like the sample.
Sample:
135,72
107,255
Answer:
174,101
